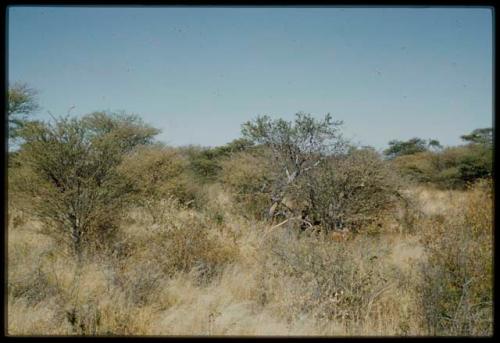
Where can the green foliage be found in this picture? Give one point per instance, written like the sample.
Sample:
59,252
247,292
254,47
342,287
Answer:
237,145
249,176
315,176
205,163
287,140
21,103
452,167
75,187
475,166
482,136
156,173
409,147
296,148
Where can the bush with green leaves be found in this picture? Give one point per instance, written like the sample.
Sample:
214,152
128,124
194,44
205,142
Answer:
74,186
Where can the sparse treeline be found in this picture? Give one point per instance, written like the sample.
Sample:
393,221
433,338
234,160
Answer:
451,167
89,180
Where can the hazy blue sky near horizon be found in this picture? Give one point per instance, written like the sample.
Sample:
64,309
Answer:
199,73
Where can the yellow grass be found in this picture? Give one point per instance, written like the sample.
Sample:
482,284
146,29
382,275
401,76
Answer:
243,278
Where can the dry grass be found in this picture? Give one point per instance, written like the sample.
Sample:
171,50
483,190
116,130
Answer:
214,272
458,280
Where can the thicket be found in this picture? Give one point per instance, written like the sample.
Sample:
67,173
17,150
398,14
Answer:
453,167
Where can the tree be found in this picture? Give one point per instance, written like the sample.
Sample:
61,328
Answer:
479,164
235,146
21,103
206,162
434,144
412,146
348,191
482,136
297,148
75,187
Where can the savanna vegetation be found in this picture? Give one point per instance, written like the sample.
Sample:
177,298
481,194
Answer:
288,230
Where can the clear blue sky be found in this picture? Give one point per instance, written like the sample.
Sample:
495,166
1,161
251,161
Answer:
199,73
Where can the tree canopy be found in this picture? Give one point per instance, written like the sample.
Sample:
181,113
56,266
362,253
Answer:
482,136
297,147
409,147
73,167
21,103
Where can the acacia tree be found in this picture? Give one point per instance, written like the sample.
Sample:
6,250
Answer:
21,103
482,136
411,146
74,186
297,148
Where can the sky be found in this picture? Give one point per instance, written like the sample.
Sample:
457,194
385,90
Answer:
198,73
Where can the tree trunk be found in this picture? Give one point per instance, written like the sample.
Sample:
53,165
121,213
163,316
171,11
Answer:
76,237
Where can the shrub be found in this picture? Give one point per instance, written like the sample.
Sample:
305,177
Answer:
420,167
205,163
187,243
477,164
248,176
156,173
452,167
458,278
76,190
347,192
337,284
297,148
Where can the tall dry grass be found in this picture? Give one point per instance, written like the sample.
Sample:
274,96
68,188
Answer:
211,271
